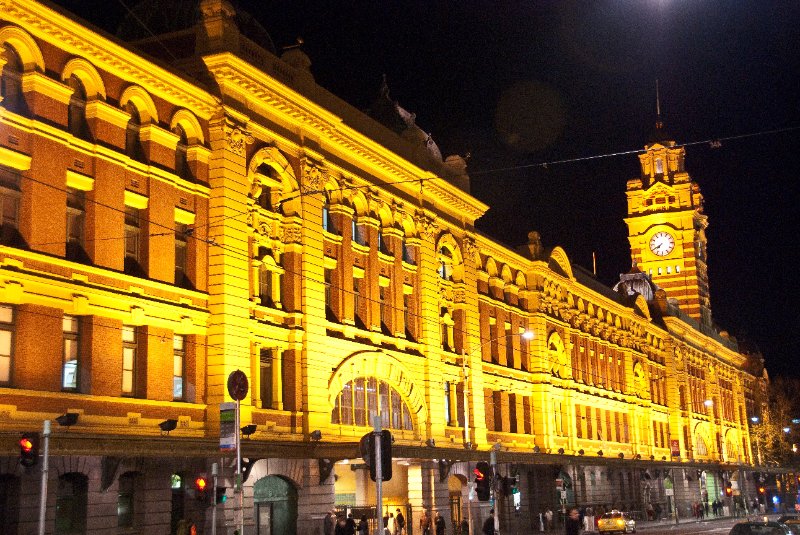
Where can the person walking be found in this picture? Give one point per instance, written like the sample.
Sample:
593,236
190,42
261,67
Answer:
425,523
329,523
488,524
572,525
350,525
399,523
438,523
363,526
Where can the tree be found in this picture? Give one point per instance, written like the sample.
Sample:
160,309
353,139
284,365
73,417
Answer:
779,406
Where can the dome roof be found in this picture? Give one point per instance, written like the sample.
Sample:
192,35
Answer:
167,16
636,282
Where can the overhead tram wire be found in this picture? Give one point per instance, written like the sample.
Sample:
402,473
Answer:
246,256
712,142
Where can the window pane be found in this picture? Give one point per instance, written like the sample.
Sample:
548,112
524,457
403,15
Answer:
127,381
347,404
177,342
127,358
359,403
5,369
384,402
70,324
6,314
128,334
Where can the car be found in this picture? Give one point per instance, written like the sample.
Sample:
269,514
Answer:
616,522
762,528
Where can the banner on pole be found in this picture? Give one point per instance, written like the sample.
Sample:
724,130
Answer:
227,426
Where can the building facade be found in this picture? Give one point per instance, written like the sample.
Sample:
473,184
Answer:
169,221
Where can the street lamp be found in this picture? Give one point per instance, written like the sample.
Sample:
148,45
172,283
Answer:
527,334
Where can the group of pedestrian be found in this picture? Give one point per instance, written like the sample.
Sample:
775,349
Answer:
333,525
393,524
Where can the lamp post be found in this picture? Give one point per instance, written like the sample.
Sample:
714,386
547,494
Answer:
525,335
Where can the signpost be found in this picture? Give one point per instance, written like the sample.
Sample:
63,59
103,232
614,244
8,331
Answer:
237,388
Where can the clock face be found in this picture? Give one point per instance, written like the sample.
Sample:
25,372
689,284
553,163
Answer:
662,243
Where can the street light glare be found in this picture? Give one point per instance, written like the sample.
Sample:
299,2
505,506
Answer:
527,335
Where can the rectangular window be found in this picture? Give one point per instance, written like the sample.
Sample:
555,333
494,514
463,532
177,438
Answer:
265,286
578,422
265,379
125,500
132,241
178,367
181,259
407,315
358,302
589,428
9,207
6,343
328,289
76,217
447,403
70,370
383,309
129,350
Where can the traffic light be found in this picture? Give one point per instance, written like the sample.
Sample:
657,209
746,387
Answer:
201,489
483,480
220,496
29,449
761,490
728,489
367,447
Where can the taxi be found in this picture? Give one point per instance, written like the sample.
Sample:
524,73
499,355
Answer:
616,522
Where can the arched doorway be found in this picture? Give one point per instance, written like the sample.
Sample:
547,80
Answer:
275,501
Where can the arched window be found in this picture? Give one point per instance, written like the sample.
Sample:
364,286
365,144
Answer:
659,166
701,448
11,81
182,168
365,397
76,121
133,143
71,501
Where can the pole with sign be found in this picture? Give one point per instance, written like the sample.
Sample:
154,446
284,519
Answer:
237,388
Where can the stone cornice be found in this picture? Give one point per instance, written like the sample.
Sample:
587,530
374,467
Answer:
105,54
299,111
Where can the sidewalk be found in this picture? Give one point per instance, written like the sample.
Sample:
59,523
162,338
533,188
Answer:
647,524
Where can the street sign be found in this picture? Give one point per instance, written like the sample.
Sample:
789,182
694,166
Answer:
237,385
669,492
227,426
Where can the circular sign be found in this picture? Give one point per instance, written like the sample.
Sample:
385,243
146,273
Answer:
237,385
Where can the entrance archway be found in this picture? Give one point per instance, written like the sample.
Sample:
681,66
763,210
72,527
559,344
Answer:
275,502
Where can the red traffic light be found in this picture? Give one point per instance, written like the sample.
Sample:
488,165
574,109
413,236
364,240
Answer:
761,490
200,484
28,449
26,445
478,474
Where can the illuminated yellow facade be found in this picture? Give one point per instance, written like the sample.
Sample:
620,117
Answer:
158,234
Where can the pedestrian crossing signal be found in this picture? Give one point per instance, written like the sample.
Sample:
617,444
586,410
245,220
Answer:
483,480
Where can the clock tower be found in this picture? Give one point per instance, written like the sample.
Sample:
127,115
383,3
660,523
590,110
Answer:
666,226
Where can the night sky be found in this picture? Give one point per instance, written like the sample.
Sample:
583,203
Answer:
518,84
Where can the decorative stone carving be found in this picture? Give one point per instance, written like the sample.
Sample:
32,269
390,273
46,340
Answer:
237,139
459,295
470,248
313,177
292,234
426,225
